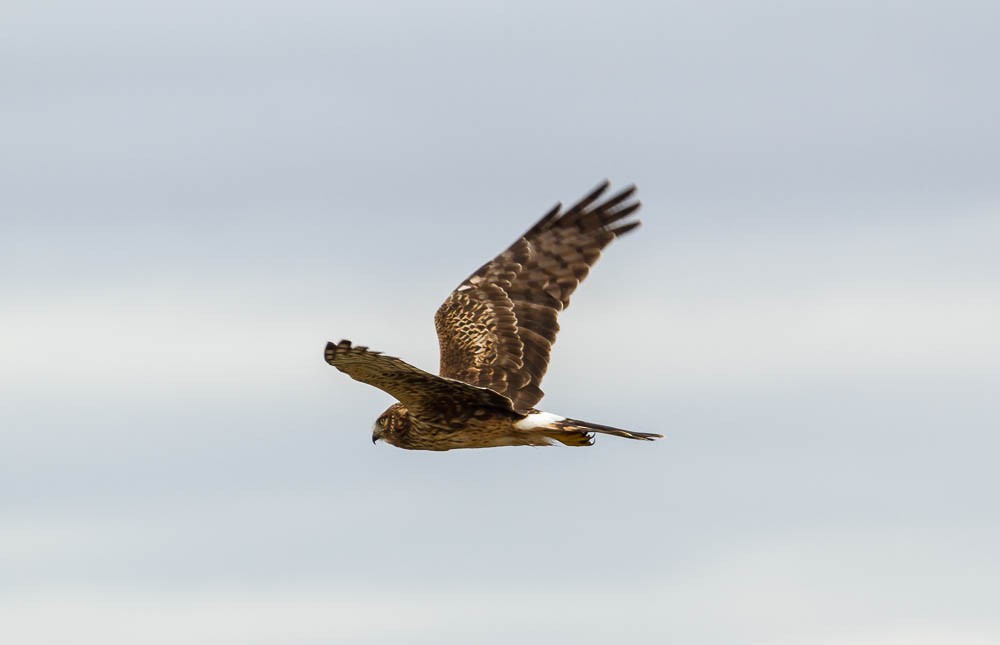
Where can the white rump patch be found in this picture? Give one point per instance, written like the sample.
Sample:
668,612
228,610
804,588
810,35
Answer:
538,420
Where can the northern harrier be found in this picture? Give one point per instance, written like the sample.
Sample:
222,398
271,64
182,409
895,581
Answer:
496,331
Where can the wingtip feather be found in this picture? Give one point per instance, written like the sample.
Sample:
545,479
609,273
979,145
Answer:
334,350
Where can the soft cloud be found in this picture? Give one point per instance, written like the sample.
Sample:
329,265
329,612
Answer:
773,591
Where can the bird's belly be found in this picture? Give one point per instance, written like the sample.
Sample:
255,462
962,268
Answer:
469,433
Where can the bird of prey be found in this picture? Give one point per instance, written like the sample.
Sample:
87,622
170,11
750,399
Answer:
496,331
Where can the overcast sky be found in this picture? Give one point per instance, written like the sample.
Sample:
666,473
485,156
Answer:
196,196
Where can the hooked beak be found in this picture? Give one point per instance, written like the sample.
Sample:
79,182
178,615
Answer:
376,433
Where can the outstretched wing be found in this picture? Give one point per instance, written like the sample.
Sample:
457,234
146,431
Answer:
426,395
497,328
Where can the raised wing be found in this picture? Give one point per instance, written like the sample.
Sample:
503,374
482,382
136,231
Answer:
497,328
426,395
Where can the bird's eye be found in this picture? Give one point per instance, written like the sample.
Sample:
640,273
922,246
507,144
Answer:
381,421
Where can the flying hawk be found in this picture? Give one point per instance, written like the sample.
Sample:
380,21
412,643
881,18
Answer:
496,331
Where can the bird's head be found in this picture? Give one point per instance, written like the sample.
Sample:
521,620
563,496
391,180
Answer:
391,424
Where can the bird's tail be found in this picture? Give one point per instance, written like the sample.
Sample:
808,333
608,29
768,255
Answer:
581,433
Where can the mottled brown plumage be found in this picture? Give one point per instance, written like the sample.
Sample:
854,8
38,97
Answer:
496,332
497,328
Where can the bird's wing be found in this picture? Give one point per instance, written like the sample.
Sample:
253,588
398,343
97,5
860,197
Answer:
426,395
497,328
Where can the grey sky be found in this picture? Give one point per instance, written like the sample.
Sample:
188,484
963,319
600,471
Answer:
195,197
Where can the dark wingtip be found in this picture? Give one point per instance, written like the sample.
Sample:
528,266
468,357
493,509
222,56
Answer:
625,228
619,206
621,195
330,353
594,194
